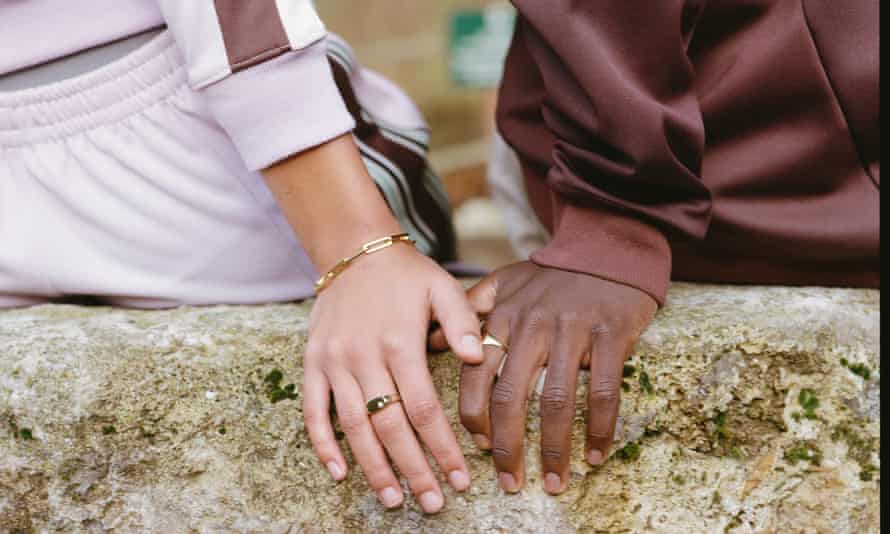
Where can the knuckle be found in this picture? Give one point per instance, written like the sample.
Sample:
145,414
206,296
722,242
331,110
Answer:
352,421
552,454
503,393
313,352
379,476
393,342
388,422
569,317
498,323
604,391
556,400
312,418
420,478
535,320
597,435
334,348
603,396
472,416
325,449
424,413
501,453
600,328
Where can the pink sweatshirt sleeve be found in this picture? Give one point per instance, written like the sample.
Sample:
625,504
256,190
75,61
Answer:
263,68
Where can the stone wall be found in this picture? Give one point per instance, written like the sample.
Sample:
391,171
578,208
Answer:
749,410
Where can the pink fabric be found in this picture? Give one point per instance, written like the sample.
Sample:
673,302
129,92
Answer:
281,107
37,31
117,184
120,184
271,111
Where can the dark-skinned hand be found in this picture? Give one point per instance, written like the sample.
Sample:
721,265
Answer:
561,321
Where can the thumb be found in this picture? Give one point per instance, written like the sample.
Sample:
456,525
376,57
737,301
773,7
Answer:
481,299
460,327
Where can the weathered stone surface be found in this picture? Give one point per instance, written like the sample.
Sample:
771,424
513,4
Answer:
160,421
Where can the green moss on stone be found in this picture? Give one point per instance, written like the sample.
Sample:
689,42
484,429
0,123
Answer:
867,473
859,449
859,369
108,429
630,452
804,451
646,383
26,434
274,392
809,402
274,378
720,426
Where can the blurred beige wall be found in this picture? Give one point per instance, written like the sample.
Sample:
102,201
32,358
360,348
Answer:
407,41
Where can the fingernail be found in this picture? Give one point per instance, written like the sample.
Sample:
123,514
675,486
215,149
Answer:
459,480
431,502
553,483
471,345
390,497
508,483
336,471
482,441
595,457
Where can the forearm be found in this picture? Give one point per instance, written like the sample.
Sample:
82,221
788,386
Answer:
330,200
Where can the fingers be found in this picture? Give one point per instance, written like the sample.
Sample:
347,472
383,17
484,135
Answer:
421,403
395,433
481,298
353,418
459,321
476,382
316,415
604,396
487,293
484,295
572,341
509,398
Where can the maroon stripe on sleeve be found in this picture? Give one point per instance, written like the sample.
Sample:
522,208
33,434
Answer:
252,31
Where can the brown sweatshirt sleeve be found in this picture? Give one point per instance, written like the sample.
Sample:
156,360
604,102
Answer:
598,99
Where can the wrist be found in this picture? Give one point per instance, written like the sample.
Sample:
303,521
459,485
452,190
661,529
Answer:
347,239
368,249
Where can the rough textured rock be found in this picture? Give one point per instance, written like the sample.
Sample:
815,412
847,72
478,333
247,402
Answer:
160,421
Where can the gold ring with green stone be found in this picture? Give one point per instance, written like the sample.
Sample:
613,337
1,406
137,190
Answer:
379,403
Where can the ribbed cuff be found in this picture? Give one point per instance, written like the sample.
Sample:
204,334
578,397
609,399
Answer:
281,107
608,245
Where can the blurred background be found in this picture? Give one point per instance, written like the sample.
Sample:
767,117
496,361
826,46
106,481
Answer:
448,56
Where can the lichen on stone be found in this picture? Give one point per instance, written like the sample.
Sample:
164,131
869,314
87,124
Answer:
804,452
859,369
729,358
630,452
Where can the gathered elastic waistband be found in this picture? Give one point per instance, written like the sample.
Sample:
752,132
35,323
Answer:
108,94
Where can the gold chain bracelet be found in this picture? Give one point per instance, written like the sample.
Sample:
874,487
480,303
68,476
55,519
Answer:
368,248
